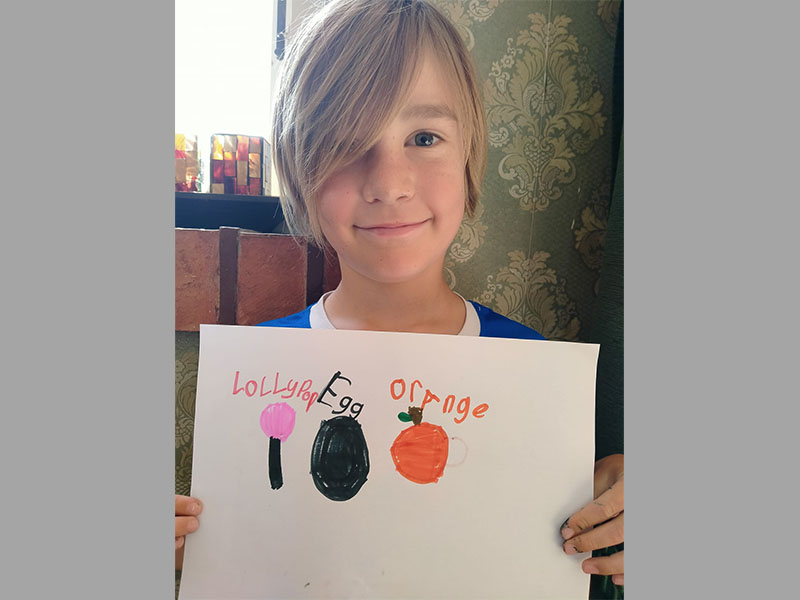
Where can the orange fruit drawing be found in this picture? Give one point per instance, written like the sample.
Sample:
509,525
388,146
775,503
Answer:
420,451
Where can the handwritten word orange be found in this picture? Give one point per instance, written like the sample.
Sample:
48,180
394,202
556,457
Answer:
251,387
398,389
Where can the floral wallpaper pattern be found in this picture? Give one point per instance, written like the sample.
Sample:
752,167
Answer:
464,14
187,355
534,249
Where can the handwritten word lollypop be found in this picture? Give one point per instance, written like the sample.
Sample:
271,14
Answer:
399,390
251,387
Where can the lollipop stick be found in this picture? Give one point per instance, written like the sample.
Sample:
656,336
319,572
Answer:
275,472
277,422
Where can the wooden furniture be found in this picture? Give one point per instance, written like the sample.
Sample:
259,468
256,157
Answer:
231,276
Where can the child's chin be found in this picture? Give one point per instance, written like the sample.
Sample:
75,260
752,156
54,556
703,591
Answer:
396,272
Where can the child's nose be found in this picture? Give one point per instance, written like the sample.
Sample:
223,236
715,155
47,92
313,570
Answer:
389,176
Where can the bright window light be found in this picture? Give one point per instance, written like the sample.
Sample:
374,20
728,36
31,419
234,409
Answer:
223,70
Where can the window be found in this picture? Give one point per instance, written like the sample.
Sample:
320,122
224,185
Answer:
223,69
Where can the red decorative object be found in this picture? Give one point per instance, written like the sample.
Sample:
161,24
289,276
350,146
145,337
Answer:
187,164
239,165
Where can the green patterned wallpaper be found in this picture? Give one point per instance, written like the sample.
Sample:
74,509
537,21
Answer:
534,249
187,355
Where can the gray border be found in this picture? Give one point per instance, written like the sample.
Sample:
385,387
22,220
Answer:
711,151
87,427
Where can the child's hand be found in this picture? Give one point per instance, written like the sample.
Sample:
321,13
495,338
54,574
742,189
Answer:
186,511
601,523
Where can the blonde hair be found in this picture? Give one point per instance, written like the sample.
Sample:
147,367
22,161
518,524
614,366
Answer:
345,75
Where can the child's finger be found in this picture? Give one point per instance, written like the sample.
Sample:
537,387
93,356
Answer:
606,506
179,550
186,505
185,525
607,471
605,565
179,542
602,536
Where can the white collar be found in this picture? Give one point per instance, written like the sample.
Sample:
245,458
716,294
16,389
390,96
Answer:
318,318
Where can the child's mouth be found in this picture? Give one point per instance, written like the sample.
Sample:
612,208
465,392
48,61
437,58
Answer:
392,229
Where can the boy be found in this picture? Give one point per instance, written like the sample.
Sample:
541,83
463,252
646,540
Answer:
380,147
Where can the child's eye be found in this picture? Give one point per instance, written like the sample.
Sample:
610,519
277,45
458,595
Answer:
425,139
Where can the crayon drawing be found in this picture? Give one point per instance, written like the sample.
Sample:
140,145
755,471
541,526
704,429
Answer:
339,458
277,422
358,514
420,451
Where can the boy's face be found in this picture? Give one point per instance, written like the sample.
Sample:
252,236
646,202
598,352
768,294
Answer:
392,214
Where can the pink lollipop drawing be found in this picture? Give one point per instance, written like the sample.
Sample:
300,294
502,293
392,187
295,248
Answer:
277,422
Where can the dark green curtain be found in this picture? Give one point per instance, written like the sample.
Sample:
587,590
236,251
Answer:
608,320
608,332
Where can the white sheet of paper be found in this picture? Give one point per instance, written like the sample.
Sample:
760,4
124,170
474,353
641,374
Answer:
488,528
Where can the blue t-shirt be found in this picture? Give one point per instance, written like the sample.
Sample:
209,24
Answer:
492,324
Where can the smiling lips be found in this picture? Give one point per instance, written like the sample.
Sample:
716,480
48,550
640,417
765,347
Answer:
392,229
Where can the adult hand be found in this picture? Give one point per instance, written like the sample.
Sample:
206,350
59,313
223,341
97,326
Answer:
186,511
601,523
